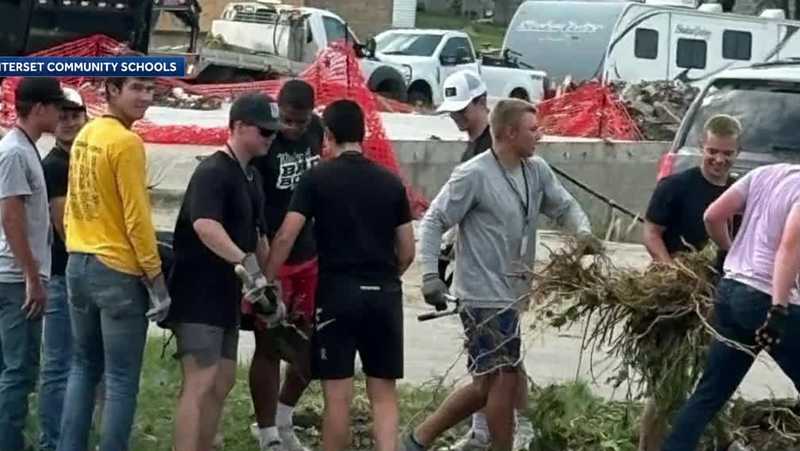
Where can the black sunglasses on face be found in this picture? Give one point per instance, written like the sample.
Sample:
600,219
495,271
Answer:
266,133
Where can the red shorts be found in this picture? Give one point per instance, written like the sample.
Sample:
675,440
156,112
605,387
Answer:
299,287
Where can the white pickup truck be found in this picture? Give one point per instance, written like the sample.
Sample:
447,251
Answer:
257,39
432,55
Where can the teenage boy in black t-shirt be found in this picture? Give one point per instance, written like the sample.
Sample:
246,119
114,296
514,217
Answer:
57,333
220,225
297,147
674,223
362,223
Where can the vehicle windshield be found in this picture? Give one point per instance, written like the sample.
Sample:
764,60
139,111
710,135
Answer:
408,44
769,112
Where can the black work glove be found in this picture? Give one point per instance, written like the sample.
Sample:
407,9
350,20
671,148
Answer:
434,290
769,335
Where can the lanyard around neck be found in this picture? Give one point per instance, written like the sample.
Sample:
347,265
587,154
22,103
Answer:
526,203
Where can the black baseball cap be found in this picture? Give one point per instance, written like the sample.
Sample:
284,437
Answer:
40,90
260,110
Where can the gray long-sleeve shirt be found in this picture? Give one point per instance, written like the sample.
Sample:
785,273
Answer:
495,249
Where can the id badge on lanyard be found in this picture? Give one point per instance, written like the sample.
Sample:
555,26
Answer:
523,248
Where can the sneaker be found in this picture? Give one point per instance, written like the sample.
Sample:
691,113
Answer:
274,445
472,442
408,444
290,440
219,442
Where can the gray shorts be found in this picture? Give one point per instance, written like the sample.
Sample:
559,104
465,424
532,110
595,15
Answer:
207,344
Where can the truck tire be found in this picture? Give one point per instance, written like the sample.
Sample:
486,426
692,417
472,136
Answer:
520,93
420,94
388,82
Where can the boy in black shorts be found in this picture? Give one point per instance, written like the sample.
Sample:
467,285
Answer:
220,225
365,241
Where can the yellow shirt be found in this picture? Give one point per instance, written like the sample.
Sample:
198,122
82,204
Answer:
108,206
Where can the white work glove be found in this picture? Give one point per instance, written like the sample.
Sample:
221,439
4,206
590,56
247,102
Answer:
159,299
265,296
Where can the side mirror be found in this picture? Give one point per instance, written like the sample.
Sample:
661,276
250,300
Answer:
462,54
371,46
448,60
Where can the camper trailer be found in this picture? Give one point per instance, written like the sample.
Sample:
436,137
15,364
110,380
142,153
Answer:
633,41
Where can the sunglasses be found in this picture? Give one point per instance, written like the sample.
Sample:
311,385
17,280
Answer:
265,133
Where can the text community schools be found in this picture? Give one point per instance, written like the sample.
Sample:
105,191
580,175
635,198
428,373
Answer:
135,66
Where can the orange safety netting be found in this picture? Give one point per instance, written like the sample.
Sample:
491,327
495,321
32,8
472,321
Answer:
335,75
591,111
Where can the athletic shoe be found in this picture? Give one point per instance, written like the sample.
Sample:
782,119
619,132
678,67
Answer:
274,445
408,444
290,440
472,442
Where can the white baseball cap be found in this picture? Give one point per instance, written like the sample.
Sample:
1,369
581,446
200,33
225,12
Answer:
459,89
72,99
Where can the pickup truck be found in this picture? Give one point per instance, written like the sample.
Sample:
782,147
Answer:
256,39
432,55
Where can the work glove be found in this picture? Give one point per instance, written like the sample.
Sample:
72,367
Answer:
159,299
769,335
264,296
434,291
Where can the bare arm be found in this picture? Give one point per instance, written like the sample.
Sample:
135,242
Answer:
13,214
57,205
282,243
653,238
787,260
262,252
719,214
404,246
214,236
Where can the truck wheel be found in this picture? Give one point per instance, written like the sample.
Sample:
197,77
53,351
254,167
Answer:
419,96
388,82
519,93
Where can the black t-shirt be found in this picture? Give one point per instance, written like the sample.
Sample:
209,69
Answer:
56,175
484,142
678,204
280,170
356,206
203,286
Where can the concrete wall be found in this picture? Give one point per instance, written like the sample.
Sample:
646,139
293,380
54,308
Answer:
622,171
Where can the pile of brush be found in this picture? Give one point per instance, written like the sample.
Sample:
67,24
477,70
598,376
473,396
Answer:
657,321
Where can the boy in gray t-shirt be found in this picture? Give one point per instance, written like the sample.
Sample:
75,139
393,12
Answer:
24,250
495,199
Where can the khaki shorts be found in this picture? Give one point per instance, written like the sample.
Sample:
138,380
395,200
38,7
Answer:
207,344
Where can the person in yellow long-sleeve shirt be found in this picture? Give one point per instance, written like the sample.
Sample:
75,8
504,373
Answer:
113,263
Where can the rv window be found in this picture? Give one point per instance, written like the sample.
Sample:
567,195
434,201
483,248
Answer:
646,45
737,45
691,54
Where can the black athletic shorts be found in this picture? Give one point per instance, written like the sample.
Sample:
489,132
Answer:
356,315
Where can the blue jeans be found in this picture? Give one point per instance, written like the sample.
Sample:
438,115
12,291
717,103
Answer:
109,330
739,311
56,357
20,339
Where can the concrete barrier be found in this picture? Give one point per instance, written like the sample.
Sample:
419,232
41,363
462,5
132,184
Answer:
622,171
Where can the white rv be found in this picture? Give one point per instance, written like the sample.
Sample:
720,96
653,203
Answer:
634,41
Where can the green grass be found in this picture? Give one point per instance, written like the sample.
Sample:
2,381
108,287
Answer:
160,384
483,35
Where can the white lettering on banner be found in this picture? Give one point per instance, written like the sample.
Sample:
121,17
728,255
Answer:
557,27
693,30
292,166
